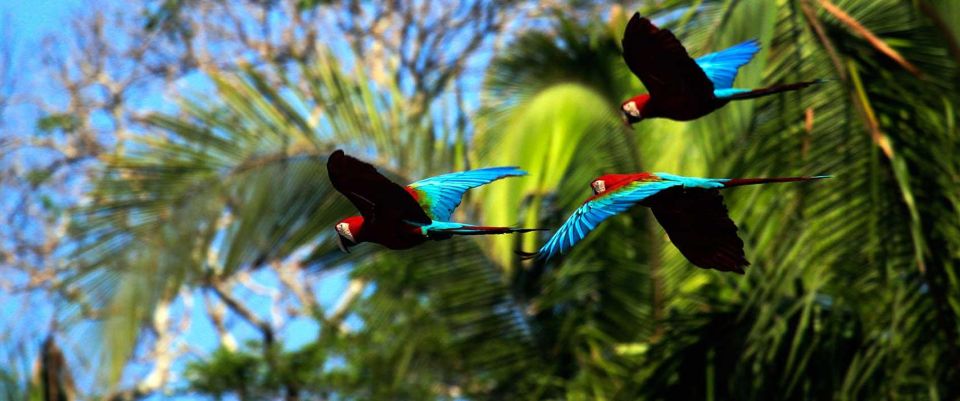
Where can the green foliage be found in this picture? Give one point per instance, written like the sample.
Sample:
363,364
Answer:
226,372
10,386
54,122
38,176
303,5
254,375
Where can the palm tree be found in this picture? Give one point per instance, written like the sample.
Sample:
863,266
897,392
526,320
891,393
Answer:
818,250
852,294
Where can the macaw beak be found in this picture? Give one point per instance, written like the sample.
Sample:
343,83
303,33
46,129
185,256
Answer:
344,244
628,119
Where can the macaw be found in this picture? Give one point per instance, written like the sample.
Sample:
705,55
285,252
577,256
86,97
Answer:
690,209
402,217
679,87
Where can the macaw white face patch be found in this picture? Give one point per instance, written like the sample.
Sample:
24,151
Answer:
344,230
599,187
631,108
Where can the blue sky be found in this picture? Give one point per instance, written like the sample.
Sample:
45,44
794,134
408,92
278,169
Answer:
34,18
29,22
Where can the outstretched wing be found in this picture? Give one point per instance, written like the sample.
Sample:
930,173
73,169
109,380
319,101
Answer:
377,198
721,67
440,195
698,224
597,209
662,63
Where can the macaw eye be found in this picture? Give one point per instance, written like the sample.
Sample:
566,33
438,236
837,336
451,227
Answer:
344,230
631,109
599,187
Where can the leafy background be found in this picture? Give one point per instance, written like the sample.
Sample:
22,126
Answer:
853,292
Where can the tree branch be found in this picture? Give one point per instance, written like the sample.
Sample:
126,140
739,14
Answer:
223,292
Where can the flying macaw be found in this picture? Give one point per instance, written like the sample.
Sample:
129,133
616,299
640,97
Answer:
402,217
679,87
691,211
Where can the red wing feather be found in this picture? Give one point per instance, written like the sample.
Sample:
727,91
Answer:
372,193
697,223
662,63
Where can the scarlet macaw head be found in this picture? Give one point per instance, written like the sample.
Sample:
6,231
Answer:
632,109
599,186
612,182
348,232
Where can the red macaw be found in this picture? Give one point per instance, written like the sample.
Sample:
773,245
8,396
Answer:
679,87
690,209
402,217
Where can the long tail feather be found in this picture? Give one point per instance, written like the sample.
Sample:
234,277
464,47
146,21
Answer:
736,182
484,230
771,90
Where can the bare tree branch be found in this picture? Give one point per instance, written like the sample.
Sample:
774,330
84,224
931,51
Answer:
223,291
354,289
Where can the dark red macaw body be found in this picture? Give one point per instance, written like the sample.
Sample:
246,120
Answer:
678,86
695,219
689,209
393,236
673,108
397,217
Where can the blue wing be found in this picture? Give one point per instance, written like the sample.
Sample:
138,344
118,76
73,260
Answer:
693,182
440,195
721,67
591,214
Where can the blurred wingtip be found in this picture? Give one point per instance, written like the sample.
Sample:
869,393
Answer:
525,255
518,172
335,156
739,268
635,20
